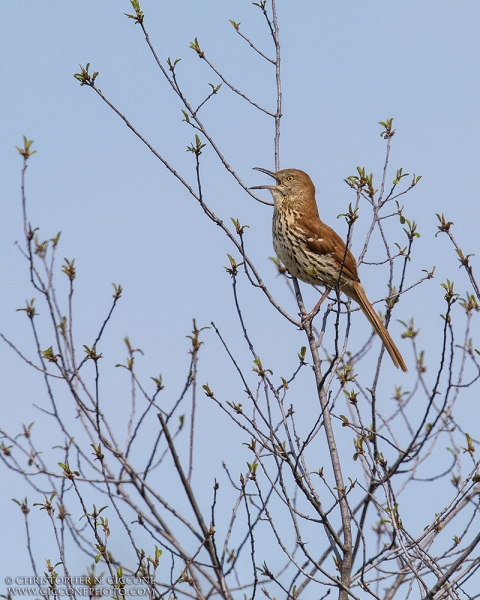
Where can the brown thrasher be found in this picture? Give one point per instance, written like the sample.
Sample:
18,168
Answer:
312,251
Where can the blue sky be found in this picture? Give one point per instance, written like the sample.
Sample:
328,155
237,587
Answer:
346,66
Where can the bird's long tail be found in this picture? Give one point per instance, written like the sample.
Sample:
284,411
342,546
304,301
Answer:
357,293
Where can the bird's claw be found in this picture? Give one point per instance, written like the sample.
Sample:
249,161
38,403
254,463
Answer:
304,317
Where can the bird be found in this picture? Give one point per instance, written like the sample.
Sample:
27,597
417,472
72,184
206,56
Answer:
312,251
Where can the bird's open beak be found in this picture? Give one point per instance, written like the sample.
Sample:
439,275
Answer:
264,187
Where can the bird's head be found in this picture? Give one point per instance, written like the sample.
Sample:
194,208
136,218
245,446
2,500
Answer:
290,184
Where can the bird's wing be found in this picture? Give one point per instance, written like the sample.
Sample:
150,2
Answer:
322,239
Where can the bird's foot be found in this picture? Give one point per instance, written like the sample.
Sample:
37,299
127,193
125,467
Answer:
309,316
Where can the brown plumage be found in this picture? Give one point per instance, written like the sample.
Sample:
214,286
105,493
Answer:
312,251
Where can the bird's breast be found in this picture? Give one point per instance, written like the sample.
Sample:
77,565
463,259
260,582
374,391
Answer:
291,247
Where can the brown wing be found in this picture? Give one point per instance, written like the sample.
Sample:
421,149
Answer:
322,239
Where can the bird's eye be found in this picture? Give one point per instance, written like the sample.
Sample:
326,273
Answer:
290,178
